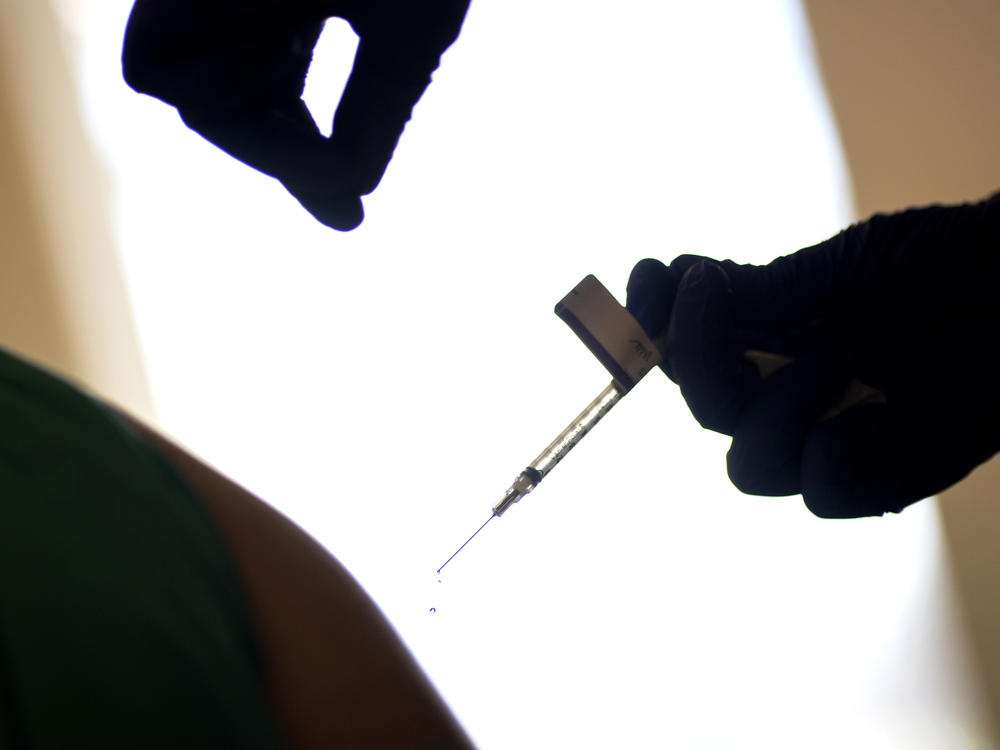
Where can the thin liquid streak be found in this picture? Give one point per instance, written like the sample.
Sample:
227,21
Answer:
466,542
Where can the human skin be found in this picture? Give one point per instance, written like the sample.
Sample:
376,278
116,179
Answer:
336,673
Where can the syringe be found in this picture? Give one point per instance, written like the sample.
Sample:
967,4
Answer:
538,469
620,344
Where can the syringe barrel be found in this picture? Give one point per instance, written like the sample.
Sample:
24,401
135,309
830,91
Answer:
620,344
574,432
528,479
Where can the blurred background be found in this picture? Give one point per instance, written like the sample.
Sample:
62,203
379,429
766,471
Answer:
383,387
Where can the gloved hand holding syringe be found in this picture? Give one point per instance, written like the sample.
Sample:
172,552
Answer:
620,344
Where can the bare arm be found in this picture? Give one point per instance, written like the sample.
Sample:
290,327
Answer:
337,674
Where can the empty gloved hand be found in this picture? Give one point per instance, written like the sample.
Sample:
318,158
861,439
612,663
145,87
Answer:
236,71
861,372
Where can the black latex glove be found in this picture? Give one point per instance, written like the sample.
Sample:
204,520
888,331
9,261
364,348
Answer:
235,70
906,303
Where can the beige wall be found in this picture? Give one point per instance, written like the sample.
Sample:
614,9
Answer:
62,298
914,89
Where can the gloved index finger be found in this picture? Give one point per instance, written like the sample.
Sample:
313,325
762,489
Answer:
236,71
398,50
282,140
649,295
651,292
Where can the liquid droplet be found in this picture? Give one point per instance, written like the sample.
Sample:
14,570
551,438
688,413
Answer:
433,610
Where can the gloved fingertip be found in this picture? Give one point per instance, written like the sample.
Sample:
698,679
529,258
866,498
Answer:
840,461
694,276
647,273
650,295
749,477
767,449
703,274
342,213
717,397
680,265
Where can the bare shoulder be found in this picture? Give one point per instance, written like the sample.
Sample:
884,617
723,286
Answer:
337,674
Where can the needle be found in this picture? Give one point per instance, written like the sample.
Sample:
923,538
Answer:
466,542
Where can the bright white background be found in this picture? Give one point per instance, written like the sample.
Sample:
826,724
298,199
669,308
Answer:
383,387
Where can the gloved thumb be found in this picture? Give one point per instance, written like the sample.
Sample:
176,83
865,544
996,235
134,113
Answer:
686,305
703,351
652,289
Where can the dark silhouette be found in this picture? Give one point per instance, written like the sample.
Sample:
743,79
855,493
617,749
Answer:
236,70
899,305
906,303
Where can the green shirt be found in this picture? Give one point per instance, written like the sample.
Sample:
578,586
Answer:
123,621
